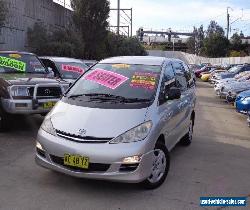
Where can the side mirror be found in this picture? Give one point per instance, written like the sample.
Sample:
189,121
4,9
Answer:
51,73
173,93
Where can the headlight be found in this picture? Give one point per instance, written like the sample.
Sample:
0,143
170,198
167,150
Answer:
138,133
47,126
246,100
19,91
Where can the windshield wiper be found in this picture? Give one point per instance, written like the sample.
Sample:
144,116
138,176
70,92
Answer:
134,100
110,97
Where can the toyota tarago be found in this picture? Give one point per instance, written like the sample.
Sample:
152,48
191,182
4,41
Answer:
119,121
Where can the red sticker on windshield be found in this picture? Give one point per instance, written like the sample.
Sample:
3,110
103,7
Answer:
72,68
106,78
143,80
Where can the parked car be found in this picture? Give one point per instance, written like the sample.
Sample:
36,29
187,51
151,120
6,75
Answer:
26,87
204,69
223,82
230,91
68,69
231,72
242,102
119,121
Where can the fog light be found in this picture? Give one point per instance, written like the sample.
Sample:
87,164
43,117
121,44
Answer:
132,159
39,146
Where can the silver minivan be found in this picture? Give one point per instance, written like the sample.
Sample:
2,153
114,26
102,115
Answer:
119,121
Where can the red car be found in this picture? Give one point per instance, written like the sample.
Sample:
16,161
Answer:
203,69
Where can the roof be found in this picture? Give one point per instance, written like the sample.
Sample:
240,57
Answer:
144,60
17,52
61,59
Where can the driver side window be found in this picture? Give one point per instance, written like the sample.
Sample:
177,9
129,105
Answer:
168,81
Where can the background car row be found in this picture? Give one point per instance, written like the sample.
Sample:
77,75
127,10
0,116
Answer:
32,85
231,83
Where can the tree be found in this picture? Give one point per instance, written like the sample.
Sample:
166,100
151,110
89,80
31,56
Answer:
90,18
216,46
3,12
214,28
60,42
215,42
191,45
119,45
236,42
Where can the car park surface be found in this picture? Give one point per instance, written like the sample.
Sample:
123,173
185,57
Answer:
216,164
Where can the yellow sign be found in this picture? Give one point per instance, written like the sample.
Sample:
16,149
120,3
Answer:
121,66
15,56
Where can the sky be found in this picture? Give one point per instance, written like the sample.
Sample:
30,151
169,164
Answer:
182,15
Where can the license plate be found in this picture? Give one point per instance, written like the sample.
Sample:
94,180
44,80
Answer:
49,105
76,161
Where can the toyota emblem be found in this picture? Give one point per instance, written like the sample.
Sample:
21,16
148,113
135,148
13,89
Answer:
47,91
82,132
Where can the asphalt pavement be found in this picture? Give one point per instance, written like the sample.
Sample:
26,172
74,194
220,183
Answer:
216,164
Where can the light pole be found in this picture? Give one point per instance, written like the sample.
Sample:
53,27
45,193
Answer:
118,17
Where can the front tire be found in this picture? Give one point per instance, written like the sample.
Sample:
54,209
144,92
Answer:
160,167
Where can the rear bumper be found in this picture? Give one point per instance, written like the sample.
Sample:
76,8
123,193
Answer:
26,106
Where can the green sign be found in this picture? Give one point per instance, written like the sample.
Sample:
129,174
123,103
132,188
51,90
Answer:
12,63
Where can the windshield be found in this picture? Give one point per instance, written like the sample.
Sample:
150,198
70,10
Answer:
123,80
20,63
71,70
234,69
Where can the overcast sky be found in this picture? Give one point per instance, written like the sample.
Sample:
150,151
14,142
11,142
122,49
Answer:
184,14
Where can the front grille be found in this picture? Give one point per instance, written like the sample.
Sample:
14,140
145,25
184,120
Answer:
93,167
49,92
82,139
46,92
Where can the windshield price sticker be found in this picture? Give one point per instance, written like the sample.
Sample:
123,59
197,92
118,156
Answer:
72,68
121,66
12,63
106,78
143,80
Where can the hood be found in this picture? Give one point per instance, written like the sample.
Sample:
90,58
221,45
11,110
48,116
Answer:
245,94
238,85
102,123
226,75
27,79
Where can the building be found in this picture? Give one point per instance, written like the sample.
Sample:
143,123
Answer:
23,14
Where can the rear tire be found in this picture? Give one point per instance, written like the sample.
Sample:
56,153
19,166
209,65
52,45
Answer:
160,167
187,139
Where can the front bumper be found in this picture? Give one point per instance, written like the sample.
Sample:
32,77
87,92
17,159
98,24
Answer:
26,106
34,104
102,153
